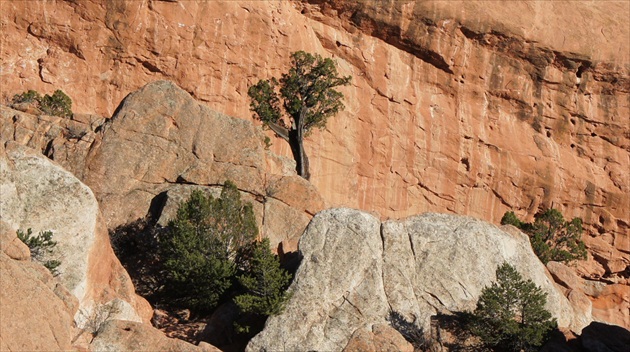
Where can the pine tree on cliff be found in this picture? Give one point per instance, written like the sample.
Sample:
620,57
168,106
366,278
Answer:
302,99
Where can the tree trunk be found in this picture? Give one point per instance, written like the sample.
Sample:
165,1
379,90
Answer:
296,141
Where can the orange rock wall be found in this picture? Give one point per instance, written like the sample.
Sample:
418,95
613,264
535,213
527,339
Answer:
467,107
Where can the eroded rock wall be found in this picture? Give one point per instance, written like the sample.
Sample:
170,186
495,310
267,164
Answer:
462,107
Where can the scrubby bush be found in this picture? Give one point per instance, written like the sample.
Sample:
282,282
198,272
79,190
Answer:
510,314
41,247
58,104
551,237
199,249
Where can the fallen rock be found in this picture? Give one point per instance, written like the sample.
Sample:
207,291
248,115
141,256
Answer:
355,270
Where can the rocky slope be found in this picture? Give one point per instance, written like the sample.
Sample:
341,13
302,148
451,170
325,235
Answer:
92,291
440,90
42,196
356,270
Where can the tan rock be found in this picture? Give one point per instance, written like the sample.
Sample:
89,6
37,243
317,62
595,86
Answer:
380,337
34,318
355,270
565,276
119,335
45,197
612,305
11,245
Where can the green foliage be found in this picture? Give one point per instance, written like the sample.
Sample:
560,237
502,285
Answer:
552,238
264,280
59,104
27,97
303,98
199,250
509,218
41,247
307,93
510,314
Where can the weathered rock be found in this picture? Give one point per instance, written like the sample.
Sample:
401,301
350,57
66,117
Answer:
11,245
612,305
439,91
151,151
119,335
380,337
355,271
36,314
43,196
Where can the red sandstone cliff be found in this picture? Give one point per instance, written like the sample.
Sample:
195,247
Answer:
461,107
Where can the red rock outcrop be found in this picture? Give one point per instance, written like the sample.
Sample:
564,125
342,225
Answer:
455,106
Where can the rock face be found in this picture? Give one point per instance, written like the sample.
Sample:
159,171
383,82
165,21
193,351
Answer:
147,158
355,270
440,90
26,285
117,335
38,194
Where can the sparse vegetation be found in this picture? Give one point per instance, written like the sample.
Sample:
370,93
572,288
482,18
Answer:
510,314
58,104
303,98
41,247
551,237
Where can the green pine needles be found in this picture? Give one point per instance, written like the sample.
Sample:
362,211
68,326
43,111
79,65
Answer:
210,255
199,250
511,313
303,99
552,238
58,104
264,280
41,247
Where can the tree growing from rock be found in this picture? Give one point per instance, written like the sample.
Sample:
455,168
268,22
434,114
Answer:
511,314
551,237
303,99
199,249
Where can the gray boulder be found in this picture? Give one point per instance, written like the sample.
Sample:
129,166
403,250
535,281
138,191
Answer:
355,270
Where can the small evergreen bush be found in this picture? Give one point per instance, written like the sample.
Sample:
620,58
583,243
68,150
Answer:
41,247
551,237
58,104
511,314
199,249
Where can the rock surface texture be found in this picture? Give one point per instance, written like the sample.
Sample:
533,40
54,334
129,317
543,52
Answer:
455,106
355,270
40,195
160,145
